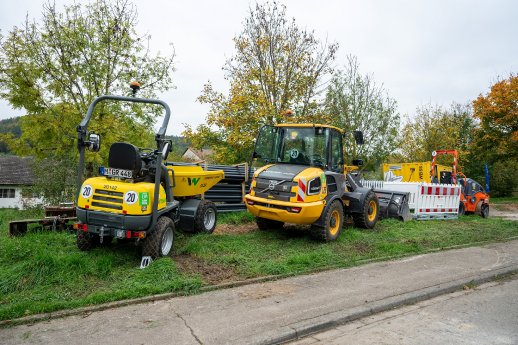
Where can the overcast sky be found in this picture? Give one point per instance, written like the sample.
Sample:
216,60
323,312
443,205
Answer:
423,52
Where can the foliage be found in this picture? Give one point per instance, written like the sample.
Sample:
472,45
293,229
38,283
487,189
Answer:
354,102
44,271
12,126
498,114
277,66
436,128
504,177
53,69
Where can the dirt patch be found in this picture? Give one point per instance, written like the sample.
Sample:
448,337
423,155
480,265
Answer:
362,248
506,211
211,273
235,228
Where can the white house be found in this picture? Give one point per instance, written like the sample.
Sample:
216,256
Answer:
15,175
197,155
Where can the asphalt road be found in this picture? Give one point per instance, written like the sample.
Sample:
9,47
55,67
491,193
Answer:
487,314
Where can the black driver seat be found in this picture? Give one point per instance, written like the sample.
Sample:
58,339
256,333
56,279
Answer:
125,156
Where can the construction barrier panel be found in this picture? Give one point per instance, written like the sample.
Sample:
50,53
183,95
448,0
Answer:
427,200
437,201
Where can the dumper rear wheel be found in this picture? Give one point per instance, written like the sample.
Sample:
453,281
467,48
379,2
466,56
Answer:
268,224
160,241
368,217
206,217
333,222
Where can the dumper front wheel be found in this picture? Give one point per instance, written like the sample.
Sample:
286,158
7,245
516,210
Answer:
368,217
333,222
160,241
206,217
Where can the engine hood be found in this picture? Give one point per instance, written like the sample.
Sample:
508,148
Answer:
281,171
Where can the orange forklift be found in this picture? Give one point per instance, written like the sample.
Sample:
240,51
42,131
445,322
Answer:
473,198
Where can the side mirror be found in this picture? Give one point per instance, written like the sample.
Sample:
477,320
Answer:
358,162
166,149
358,137
94,142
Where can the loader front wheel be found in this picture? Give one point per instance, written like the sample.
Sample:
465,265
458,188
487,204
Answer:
333,222
368,217
484,211
86,241
160,241
206,217
268,224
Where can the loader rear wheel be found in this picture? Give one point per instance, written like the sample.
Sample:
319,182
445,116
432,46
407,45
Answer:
268,224
370,212
333,222
86,241
206,217
160,241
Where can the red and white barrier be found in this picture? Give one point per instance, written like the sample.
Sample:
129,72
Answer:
429,201
437,201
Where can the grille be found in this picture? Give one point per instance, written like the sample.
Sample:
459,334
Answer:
108,199
281,189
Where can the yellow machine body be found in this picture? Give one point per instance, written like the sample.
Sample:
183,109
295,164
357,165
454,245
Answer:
192,180
411,172
119,196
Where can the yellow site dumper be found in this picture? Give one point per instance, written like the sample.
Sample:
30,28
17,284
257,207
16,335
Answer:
137,197
415,172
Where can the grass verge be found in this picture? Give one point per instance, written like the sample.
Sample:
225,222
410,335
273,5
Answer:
44,271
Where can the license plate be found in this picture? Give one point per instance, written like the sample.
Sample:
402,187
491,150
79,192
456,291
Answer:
117,172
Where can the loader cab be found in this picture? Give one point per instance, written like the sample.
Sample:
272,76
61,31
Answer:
309,145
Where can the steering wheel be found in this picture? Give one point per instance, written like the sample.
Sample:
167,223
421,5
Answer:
146,152
317,159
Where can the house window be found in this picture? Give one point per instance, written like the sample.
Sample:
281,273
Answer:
7,193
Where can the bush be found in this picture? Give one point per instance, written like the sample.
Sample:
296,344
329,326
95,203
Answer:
504,178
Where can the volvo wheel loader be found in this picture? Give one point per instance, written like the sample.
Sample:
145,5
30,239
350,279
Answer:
304,180
136,197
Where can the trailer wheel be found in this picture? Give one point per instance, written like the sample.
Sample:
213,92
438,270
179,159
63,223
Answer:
86,241
370,212
206,217
268,224
160,241
333,223
484,211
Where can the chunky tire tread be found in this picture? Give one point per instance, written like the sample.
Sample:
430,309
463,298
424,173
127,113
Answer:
361,219
152,244
199,218
86,241
461,209
322,233
268,224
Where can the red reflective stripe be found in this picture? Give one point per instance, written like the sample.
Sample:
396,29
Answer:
422,189
450,210
302,186
427,210
429,191
445,191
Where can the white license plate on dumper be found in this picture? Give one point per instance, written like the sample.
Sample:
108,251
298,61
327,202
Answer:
117,172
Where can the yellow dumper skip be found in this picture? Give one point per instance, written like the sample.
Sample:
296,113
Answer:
192,180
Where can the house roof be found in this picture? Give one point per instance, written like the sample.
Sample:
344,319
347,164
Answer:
15,170
202,154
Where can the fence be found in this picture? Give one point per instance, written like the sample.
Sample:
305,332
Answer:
429,201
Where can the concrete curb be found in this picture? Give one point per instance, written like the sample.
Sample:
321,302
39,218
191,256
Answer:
134,301
304,328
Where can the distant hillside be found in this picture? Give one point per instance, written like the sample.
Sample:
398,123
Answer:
180,144
11,125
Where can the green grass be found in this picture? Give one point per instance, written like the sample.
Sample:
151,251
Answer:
44,271
504,200
235,217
